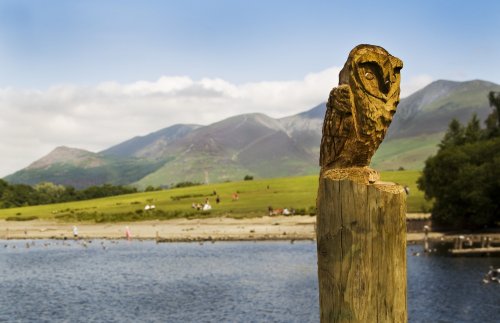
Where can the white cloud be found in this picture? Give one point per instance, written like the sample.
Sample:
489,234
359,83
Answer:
97,117
33,122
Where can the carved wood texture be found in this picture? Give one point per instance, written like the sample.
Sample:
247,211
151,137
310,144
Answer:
361,224
361,252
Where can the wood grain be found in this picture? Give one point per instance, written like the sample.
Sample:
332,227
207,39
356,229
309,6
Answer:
361,235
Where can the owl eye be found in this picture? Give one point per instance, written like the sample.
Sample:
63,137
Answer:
369,76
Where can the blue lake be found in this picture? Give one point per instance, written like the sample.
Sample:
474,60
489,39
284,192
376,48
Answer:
104,281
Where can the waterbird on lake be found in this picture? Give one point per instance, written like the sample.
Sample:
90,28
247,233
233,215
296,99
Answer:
492,276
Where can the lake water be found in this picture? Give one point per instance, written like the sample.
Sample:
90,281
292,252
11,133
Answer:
104,281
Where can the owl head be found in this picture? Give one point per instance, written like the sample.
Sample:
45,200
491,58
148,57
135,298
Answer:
374,78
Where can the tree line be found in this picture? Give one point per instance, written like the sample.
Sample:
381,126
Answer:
463,178
15,195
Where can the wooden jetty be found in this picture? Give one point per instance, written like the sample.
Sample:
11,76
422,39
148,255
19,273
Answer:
485,247
475,251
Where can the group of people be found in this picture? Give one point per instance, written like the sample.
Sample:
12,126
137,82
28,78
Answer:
202,206
206,205
284,211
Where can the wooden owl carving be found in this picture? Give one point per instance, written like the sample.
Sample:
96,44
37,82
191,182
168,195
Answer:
360,109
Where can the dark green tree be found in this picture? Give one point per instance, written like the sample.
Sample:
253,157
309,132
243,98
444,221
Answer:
20,195
493,120
14,195
494,98
473,130
454,136
463,178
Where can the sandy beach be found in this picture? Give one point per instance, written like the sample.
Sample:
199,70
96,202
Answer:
220,229
264,228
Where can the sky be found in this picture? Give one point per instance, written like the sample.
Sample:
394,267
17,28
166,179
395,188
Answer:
90,74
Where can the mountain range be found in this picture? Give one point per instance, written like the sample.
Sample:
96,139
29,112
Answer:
258,145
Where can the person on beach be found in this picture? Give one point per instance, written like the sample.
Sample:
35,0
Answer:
207,207
75,232
128,235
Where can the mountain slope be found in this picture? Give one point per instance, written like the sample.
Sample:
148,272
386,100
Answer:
431,109
277,155
71,156
229,150
152,145
305,128
255,144
80,169
422,119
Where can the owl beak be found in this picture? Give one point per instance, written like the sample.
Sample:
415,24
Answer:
387,84
388,80
389,77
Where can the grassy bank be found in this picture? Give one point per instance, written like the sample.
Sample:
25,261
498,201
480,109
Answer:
254,198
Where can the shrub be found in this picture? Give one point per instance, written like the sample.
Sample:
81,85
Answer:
21,218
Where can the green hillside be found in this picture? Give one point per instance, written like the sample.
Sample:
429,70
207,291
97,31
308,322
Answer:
430,110
469,95
254,199
196,169
115,172
406,153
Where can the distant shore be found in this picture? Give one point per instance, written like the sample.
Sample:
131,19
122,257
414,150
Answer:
177,230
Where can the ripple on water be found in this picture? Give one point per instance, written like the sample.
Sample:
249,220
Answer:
221,282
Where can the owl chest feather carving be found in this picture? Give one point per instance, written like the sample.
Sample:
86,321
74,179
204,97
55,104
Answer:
360,109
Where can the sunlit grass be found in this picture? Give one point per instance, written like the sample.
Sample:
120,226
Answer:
254,198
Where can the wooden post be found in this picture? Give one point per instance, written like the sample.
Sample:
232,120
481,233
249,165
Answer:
361,224
361,251
426,238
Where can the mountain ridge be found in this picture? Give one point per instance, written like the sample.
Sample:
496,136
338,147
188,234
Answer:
74,156
256,144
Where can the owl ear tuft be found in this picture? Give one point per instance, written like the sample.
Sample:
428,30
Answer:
396,63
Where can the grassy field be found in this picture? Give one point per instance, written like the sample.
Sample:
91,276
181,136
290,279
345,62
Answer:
254,198
409,153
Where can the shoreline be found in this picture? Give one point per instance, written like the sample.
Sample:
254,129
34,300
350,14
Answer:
176,230
179,230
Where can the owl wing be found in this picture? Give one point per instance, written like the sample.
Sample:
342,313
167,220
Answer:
338,125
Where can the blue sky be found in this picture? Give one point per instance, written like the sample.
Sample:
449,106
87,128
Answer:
85,42
93,73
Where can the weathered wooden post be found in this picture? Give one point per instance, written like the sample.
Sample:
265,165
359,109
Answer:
426,238
361,225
